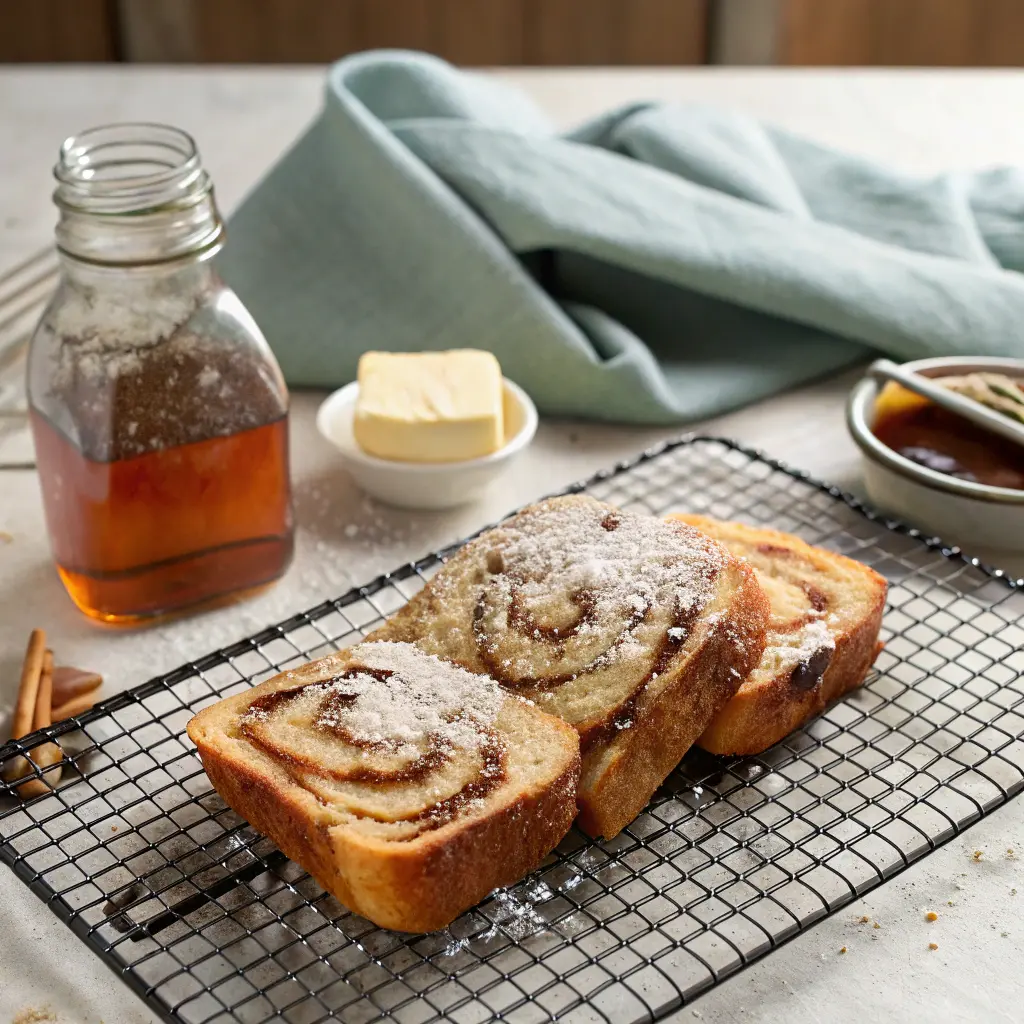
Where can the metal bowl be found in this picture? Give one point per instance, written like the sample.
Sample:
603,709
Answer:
964,513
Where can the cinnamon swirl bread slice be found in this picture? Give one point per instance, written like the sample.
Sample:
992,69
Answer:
633,630
826,613
408,787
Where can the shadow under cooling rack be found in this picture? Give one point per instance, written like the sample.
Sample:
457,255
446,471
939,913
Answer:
209,922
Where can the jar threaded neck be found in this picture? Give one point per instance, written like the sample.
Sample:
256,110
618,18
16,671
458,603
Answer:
134,193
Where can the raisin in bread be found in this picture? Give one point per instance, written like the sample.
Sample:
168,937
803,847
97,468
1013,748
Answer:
826,613
408,787
633,630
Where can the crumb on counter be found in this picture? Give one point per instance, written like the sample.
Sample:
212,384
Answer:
933,945
865,919
842,949
931,916
34,1015
876,925
978,855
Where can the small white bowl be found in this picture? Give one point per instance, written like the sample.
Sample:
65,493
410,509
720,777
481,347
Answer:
425,485
961,512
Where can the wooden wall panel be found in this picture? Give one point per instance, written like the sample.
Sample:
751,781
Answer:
569,31
944,33
488,33
317,31
512,32
473,32
663,32
57,30
493,35
608,32
267,31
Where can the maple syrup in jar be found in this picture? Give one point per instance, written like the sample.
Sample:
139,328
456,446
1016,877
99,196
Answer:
158,412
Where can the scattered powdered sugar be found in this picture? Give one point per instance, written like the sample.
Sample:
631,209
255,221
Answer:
423,698
627,562
802,645
814,636
514,914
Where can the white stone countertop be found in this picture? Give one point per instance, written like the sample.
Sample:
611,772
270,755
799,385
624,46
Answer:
243,118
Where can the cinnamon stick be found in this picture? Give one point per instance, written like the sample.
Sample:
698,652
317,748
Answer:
44,696
47,754
28,688
25,706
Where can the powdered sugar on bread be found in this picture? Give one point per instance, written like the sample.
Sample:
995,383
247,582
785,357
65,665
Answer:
405,698
786,650
575,586
423,696
627,561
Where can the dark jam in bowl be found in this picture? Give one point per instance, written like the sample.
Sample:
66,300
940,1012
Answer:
951,445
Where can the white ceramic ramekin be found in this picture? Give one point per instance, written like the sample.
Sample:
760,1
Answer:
422,485
968,514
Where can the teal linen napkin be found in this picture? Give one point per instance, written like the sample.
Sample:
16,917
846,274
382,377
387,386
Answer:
657,264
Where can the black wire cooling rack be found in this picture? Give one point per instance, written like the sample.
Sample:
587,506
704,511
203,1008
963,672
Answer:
208,922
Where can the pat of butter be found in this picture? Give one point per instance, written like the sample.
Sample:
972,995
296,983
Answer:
429,406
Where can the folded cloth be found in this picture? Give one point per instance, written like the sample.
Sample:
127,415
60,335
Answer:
657,264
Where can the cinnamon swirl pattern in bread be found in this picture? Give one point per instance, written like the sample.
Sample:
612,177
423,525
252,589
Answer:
826,614
408,787
632,630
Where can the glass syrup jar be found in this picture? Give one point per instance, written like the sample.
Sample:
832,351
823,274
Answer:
159,414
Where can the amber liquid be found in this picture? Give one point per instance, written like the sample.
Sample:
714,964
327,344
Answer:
947,443
164,531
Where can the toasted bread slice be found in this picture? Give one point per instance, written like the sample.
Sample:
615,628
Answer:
408,787
634,631
826,613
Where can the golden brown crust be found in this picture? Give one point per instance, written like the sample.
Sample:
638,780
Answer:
761,714
410,887
418,884
616,790
623,764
